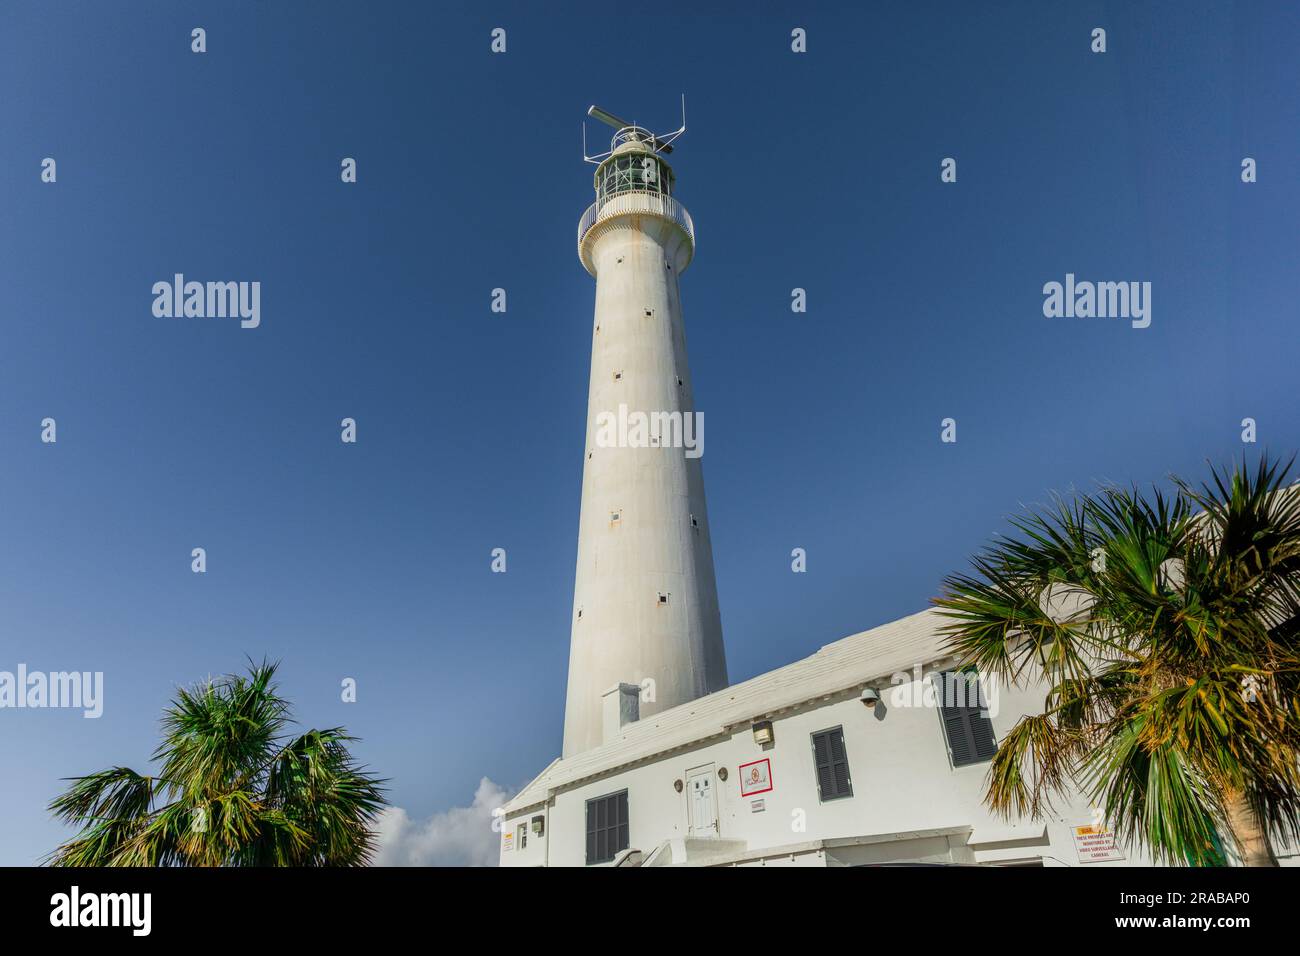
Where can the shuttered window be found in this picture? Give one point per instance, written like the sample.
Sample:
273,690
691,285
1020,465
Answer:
832,764
965,718
606,827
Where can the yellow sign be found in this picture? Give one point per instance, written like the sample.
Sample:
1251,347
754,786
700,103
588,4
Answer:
1096,844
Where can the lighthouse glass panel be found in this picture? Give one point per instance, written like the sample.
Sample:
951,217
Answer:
640,172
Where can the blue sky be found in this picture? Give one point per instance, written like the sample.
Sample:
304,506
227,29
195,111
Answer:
816,170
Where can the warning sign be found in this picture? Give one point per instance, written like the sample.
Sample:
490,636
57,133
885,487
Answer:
1096,844
755,777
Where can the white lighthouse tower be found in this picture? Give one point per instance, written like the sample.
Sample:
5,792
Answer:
647,634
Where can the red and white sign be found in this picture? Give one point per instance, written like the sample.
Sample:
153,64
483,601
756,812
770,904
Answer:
1096,844
755,777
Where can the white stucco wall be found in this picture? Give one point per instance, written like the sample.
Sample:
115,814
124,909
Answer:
902,781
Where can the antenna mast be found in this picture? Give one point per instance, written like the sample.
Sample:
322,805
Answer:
625,131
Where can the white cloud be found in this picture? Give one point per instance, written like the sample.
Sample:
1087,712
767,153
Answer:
461,836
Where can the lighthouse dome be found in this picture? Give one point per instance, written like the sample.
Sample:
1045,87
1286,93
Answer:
631,146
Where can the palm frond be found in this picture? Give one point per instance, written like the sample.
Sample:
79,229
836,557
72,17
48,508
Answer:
232,791
1168,629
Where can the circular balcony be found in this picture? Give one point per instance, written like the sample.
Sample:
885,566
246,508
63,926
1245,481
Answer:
631,203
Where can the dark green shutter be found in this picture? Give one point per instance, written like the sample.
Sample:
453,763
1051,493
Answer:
607,827
965,724
832,764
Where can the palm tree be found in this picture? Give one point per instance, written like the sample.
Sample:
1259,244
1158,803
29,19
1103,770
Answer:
234,790
1167,627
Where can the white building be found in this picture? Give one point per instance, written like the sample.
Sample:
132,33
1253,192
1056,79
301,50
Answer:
793,768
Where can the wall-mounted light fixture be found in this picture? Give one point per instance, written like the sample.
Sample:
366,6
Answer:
763,734
677,785
722,773
870,697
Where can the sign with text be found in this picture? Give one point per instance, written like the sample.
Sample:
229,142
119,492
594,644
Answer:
1096,844
755,777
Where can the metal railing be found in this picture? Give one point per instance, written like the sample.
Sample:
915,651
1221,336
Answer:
636,202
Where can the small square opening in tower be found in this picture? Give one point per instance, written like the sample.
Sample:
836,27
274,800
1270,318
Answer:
649,313
618,376
663,597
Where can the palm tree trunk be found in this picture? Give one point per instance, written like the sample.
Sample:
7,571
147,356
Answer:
1249,832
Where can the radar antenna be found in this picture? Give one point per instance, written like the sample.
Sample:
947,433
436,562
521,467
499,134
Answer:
629,132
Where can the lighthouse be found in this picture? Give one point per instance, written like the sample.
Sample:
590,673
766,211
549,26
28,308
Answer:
646,629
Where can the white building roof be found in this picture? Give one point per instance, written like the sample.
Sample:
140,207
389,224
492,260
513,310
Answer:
845,665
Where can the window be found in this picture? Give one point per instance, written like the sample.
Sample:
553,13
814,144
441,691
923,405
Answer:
640,172
606,827
521,836
618,376
695,522
649,313
615,517
663,597
832,763
965,718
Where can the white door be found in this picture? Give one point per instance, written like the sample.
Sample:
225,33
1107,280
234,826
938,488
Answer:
702,803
